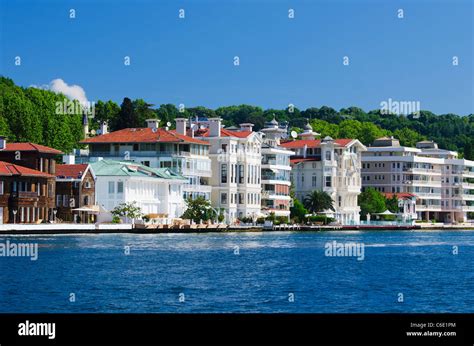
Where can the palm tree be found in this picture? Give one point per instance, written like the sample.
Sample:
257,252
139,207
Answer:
318,201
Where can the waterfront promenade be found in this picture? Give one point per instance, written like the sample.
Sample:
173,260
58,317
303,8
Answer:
68,228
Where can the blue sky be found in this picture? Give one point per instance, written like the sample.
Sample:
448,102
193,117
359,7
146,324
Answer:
282,60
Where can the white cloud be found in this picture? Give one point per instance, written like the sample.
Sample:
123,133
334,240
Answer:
72,92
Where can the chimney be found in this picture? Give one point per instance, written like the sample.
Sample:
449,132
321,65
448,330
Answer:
215,127
3,142
152,123
103,128
181,126
246,127
69,159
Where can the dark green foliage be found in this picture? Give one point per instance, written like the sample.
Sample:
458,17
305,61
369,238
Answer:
371,201
318,201
392,204
199,209
28,114
35,115
298,211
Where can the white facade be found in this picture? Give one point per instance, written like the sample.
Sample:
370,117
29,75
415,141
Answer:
153,194
332,166
236,165
276,171
442,183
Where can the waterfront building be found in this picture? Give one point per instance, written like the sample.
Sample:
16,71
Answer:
155,190
442,182
156,148
276,171
32,194
406,205
31,155
236,158
26,195
75,189
330,165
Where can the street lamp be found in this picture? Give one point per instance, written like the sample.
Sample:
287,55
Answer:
55,212
14,215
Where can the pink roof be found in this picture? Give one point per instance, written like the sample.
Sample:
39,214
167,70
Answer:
71,171
27,146
10,169
313,143
143,135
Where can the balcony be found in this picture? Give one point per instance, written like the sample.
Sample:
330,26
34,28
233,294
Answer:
197,188
275,195
25,194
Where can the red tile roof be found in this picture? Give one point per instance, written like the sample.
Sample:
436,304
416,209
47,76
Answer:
71,171
302,159
224,133
313,143
400,195
143,135
10,169
27,146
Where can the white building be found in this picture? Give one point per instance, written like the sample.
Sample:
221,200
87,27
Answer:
157,148
276,171
156,190
330,165
236,166
442,183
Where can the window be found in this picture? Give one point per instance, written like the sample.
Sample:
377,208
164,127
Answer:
111,187
50,190
328,155
223,198
231,198
328,181
88,184
241,198
120,187
313,180
339,201
241,174
1,187
224,173
224,148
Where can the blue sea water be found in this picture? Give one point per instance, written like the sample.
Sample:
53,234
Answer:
241,272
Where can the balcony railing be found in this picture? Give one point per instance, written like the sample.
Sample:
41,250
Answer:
24,194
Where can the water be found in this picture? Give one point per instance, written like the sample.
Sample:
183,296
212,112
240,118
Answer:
205,270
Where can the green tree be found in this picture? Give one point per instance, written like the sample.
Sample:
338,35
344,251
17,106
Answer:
129,210
392,204
198,209
371,201
298,211
408,137
318,201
